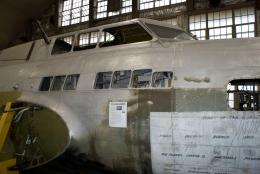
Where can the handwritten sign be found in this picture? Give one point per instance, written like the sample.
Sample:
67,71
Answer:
205,142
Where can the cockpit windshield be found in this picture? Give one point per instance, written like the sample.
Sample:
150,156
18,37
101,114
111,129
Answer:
169,33
134,32
125,34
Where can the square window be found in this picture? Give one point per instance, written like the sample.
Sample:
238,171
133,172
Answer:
244,19
210,24
74,12
229,21
245,35
58,83
238,20
251,27
244,28
121,79
141,78
45,84
223,31
251,18
162,79
103,80
252,34
71,82
223,22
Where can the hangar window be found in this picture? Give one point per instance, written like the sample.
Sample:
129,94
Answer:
58,83
198,24
125,6
146,4
74,11
121,79
126,34
62,45
45,83
238,23
71,82
220,25
245,22
162,79
101,9
141,78
244,95
103,80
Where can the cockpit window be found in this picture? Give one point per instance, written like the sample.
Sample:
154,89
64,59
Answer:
105,37
126,34
86,41
169,33
62,45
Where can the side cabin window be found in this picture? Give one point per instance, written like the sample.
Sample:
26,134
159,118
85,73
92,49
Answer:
162,79
45,84
141,78
62,45
103,80
121,79
58,83
244,95
71,82
87,40
125,35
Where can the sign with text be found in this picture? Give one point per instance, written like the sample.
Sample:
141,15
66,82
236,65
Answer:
118,114
205,142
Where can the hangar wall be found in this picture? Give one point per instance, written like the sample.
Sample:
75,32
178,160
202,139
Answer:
177,12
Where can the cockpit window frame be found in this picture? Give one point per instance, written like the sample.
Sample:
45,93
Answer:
168,27
76,36
73,37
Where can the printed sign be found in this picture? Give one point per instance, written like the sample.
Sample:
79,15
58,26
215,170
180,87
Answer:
205,142
118,114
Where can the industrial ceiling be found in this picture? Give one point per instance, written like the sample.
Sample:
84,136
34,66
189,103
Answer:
15,15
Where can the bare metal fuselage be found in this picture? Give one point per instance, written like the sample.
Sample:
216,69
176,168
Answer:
201,70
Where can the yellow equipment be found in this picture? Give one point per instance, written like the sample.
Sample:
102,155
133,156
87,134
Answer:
5,123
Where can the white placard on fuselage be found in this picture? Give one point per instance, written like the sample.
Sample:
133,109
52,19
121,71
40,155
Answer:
118,114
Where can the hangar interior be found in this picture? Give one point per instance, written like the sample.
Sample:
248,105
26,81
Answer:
26,21
206,19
